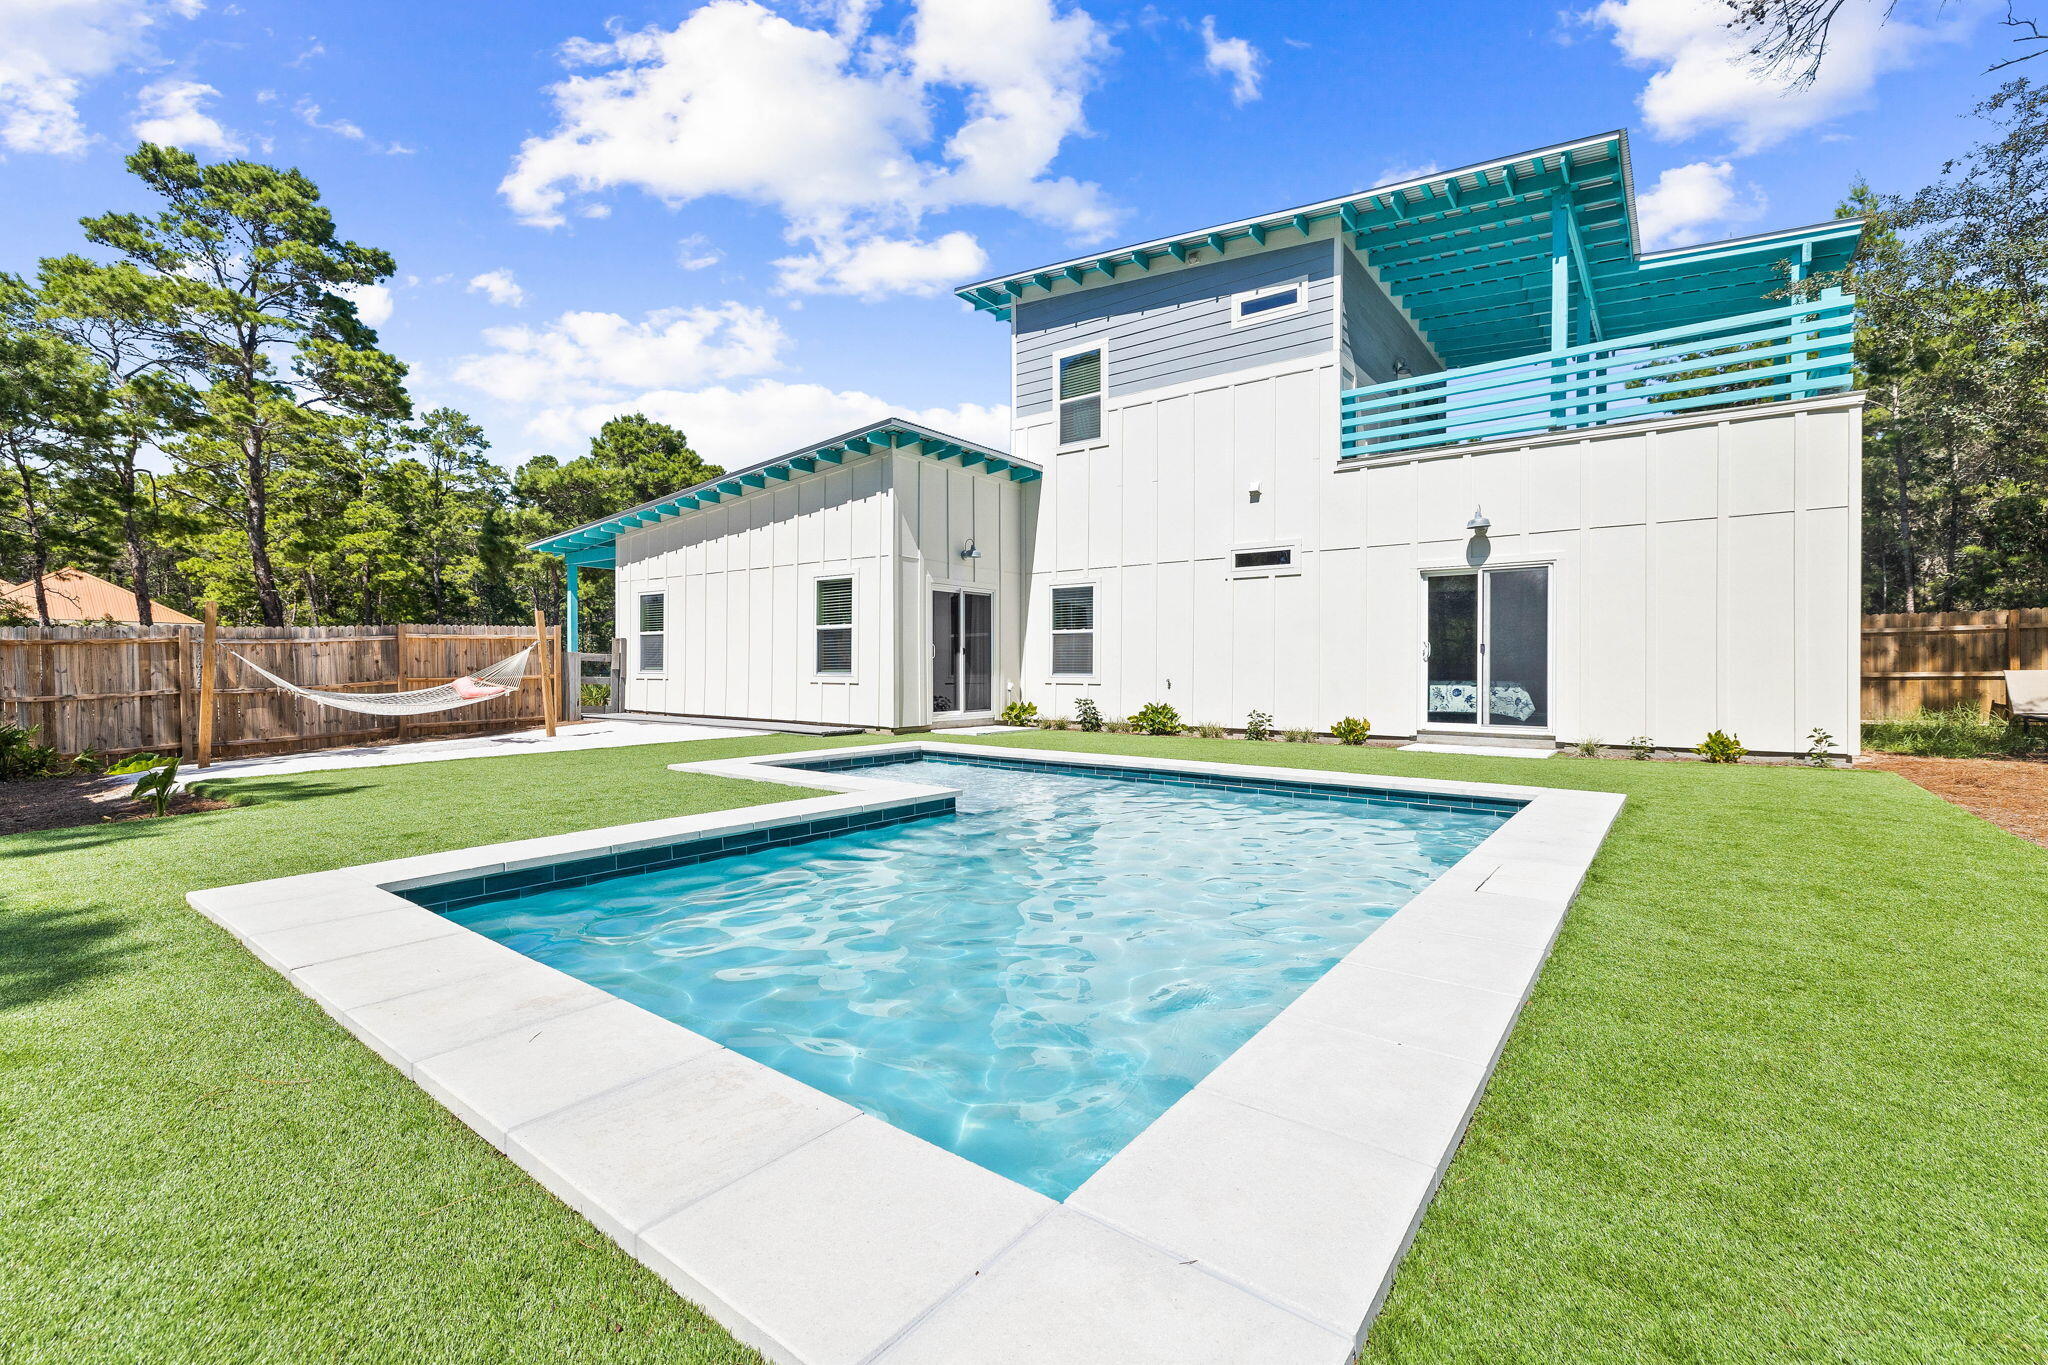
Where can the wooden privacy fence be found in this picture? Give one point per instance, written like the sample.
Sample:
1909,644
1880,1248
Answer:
125,689
1941,659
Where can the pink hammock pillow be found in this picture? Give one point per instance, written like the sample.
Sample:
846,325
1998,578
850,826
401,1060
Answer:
469,689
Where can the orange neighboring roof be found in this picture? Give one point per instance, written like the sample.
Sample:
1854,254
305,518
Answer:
77,597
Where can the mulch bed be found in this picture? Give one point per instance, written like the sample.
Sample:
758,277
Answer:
61,802
2011,793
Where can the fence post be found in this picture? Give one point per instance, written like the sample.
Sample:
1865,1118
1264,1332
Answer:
398,647
209,638
540,644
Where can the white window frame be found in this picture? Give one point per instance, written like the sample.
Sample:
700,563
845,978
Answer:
852,626
1094,632
1291,568
641,635
1552,616
1101,395
1238,301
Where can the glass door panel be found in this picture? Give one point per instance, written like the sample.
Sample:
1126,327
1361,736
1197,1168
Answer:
1453,649
945,651
977,655
1517,647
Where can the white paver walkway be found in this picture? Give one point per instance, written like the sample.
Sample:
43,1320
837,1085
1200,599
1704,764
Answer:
596,734
1479,750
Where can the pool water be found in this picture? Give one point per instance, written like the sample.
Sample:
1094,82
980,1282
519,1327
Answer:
1028,982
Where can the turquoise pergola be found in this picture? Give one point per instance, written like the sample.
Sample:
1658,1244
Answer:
1527,254
595,544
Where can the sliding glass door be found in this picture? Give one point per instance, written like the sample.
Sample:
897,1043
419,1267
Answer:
1487,648
963,652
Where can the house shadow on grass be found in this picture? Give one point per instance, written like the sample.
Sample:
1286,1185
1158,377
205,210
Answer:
45,954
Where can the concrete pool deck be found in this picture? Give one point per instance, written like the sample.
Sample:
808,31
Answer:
1260,1218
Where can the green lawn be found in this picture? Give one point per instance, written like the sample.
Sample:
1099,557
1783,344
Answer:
1779,1095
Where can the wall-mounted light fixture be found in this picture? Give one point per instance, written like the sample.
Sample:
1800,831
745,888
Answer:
1479,523
1254,493
970,552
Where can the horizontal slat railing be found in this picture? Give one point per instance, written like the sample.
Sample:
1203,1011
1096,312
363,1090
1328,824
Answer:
1798,350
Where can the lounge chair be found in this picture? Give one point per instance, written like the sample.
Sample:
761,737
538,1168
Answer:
2026,695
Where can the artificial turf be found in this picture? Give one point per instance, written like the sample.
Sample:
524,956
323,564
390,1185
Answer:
1779,1095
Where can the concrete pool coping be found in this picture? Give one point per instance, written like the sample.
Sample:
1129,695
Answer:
1260,1218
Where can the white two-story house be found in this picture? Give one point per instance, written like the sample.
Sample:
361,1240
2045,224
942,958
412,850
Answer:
1452,455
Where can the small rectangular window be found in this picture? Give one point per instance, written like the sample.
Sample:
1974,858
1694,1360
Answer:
1080,397
653,625
1263,305
1262,559
1073,630
834,650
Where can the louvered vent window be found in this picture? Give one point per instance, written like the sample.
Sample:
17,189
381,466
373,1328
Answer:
1073,630
1081,397
835,625
653,625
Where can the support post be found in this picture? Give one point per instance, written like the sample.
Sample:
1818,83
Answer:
547,670
1560,298
398,644
573,615
209,637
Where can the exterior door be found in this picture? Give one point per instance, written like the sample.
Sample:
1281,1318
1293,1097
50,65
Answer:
963,651
1487,648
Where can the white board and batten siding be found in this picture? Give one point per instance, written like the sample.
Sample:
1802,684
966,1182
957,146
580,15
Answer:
1703,570
739,580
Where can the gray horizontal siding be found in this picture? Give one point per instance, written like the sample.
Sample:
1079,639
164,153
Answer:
1375,332
1174,327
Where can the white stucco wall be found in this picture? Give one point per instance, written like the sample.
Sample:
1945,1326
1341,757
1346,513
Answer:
1704,570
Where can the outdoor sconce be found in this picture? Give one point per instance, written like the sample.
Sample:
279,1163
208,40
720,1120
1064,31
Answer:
970,552
1253,493
1479,523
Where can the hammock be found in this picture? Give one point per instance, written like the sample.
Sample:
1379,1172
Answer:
497,680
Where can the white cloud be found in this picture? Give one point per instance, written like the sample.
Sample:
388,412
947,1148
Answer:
1399,171
1687,201
695,252
1704,81
499,286
170,112
310,113
876,267
589,357
833,127
50,50
737,426
1233,58
373,302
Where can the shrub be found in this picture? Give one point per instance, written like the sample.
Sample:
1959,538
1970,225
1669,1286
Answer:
1087,715
1351,730
1212,731
1819,743
1298,736
21,757
1258,725
1720,747
1115,727
158,786
1020,713
1641,748
1056,723
594,696
1156,718
1589,747
1957,732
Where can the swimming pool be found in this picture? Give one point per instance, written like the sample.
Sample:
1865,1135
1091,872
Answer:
1028,981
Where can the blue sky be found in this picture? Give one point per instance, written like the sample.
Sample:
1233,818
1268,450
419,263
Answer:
741,218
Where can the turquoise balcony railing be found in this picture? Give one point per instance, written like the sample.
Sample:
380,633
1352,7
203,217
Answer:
1799,350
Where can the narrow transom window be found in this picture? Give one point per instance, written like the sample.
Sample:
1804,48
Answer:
1073,630
1262,559
653,631
1265,304
834,626
1081,397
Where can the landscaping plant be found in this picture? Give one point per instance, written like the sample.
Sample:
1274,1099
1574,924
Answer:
1818,743
1088,715
1589,747
1020,713
1720,747
1299,736
158,786
1258,725
1351,730
1156,718
21,757
1641,748
1957,732
1212,731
